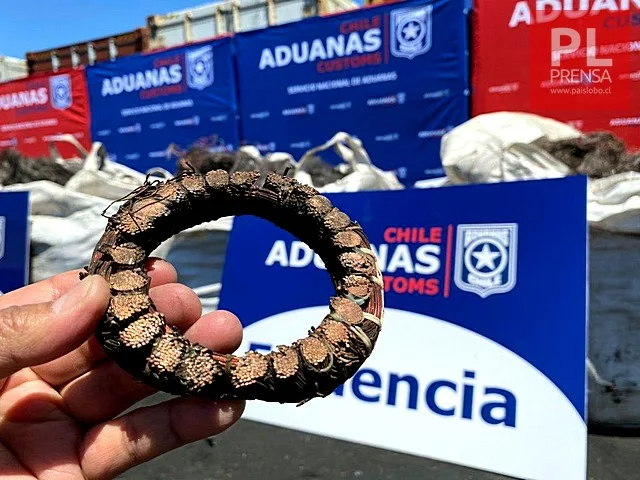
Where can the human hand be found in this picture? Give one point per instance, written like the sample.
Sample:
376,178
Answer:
59,393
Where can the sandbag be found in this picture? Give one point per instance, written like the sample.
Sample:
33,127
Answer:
495,147
68,218
65,227
362,174
513,146
614,203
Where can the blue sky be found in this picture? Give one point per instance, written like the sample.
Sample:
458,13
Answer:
32,25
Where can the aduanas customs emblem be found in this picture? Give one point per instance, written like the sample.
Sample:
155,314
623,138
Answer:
486,258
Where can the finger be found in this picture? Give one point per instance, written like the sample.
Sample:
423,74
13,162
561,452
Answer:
107,390
137,437
37,431
43,291
220,330
11,468
38,333
90,353
180,305
160,272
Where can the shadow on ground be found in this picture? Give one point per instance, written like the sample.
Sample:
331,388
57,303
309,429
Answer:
254,451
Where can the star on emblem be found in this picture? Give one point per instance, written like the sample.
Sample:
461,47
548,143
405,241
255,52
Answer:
410,31
486,258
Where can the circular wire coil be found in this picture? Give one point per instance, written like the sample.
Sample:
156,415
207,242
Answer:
136,336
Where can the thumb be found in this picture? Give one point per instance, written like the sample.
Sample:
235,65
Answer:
34,334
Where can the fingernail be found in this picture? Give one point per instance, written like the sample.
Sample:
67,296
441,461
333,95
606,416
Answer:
75,296
229,412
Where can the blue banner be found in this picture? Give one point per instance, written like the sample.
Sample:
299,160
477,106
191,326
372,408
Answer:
395,76
481,358
14,240
184,96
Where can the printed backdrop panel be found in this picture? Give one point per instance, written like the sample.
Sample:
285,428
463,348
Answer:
395,76
602,95
184,96
34,109
14,240
481,358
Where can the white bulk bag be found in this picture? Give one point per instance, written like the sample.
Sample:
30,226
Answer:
496,147
365,175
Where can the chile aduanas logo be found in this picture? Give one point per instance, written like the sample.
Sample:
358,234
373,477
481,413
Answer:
476,258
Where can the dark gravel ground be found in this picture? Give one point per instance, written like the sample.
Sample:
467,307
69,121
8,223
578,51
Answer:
255,451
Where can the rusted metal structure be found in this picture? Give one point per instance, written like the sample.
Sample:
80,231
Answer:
88,52
234,16
184,26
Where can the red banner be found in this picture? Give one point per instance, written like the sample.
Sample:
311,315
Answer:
576,61
34,109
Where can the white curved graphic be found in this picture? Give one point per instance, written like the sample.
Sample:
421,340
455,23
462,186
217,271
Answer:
434,389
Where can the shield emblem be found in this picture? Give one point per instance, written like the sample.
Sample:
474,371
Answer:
486,258
411,31
199,63
60,92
